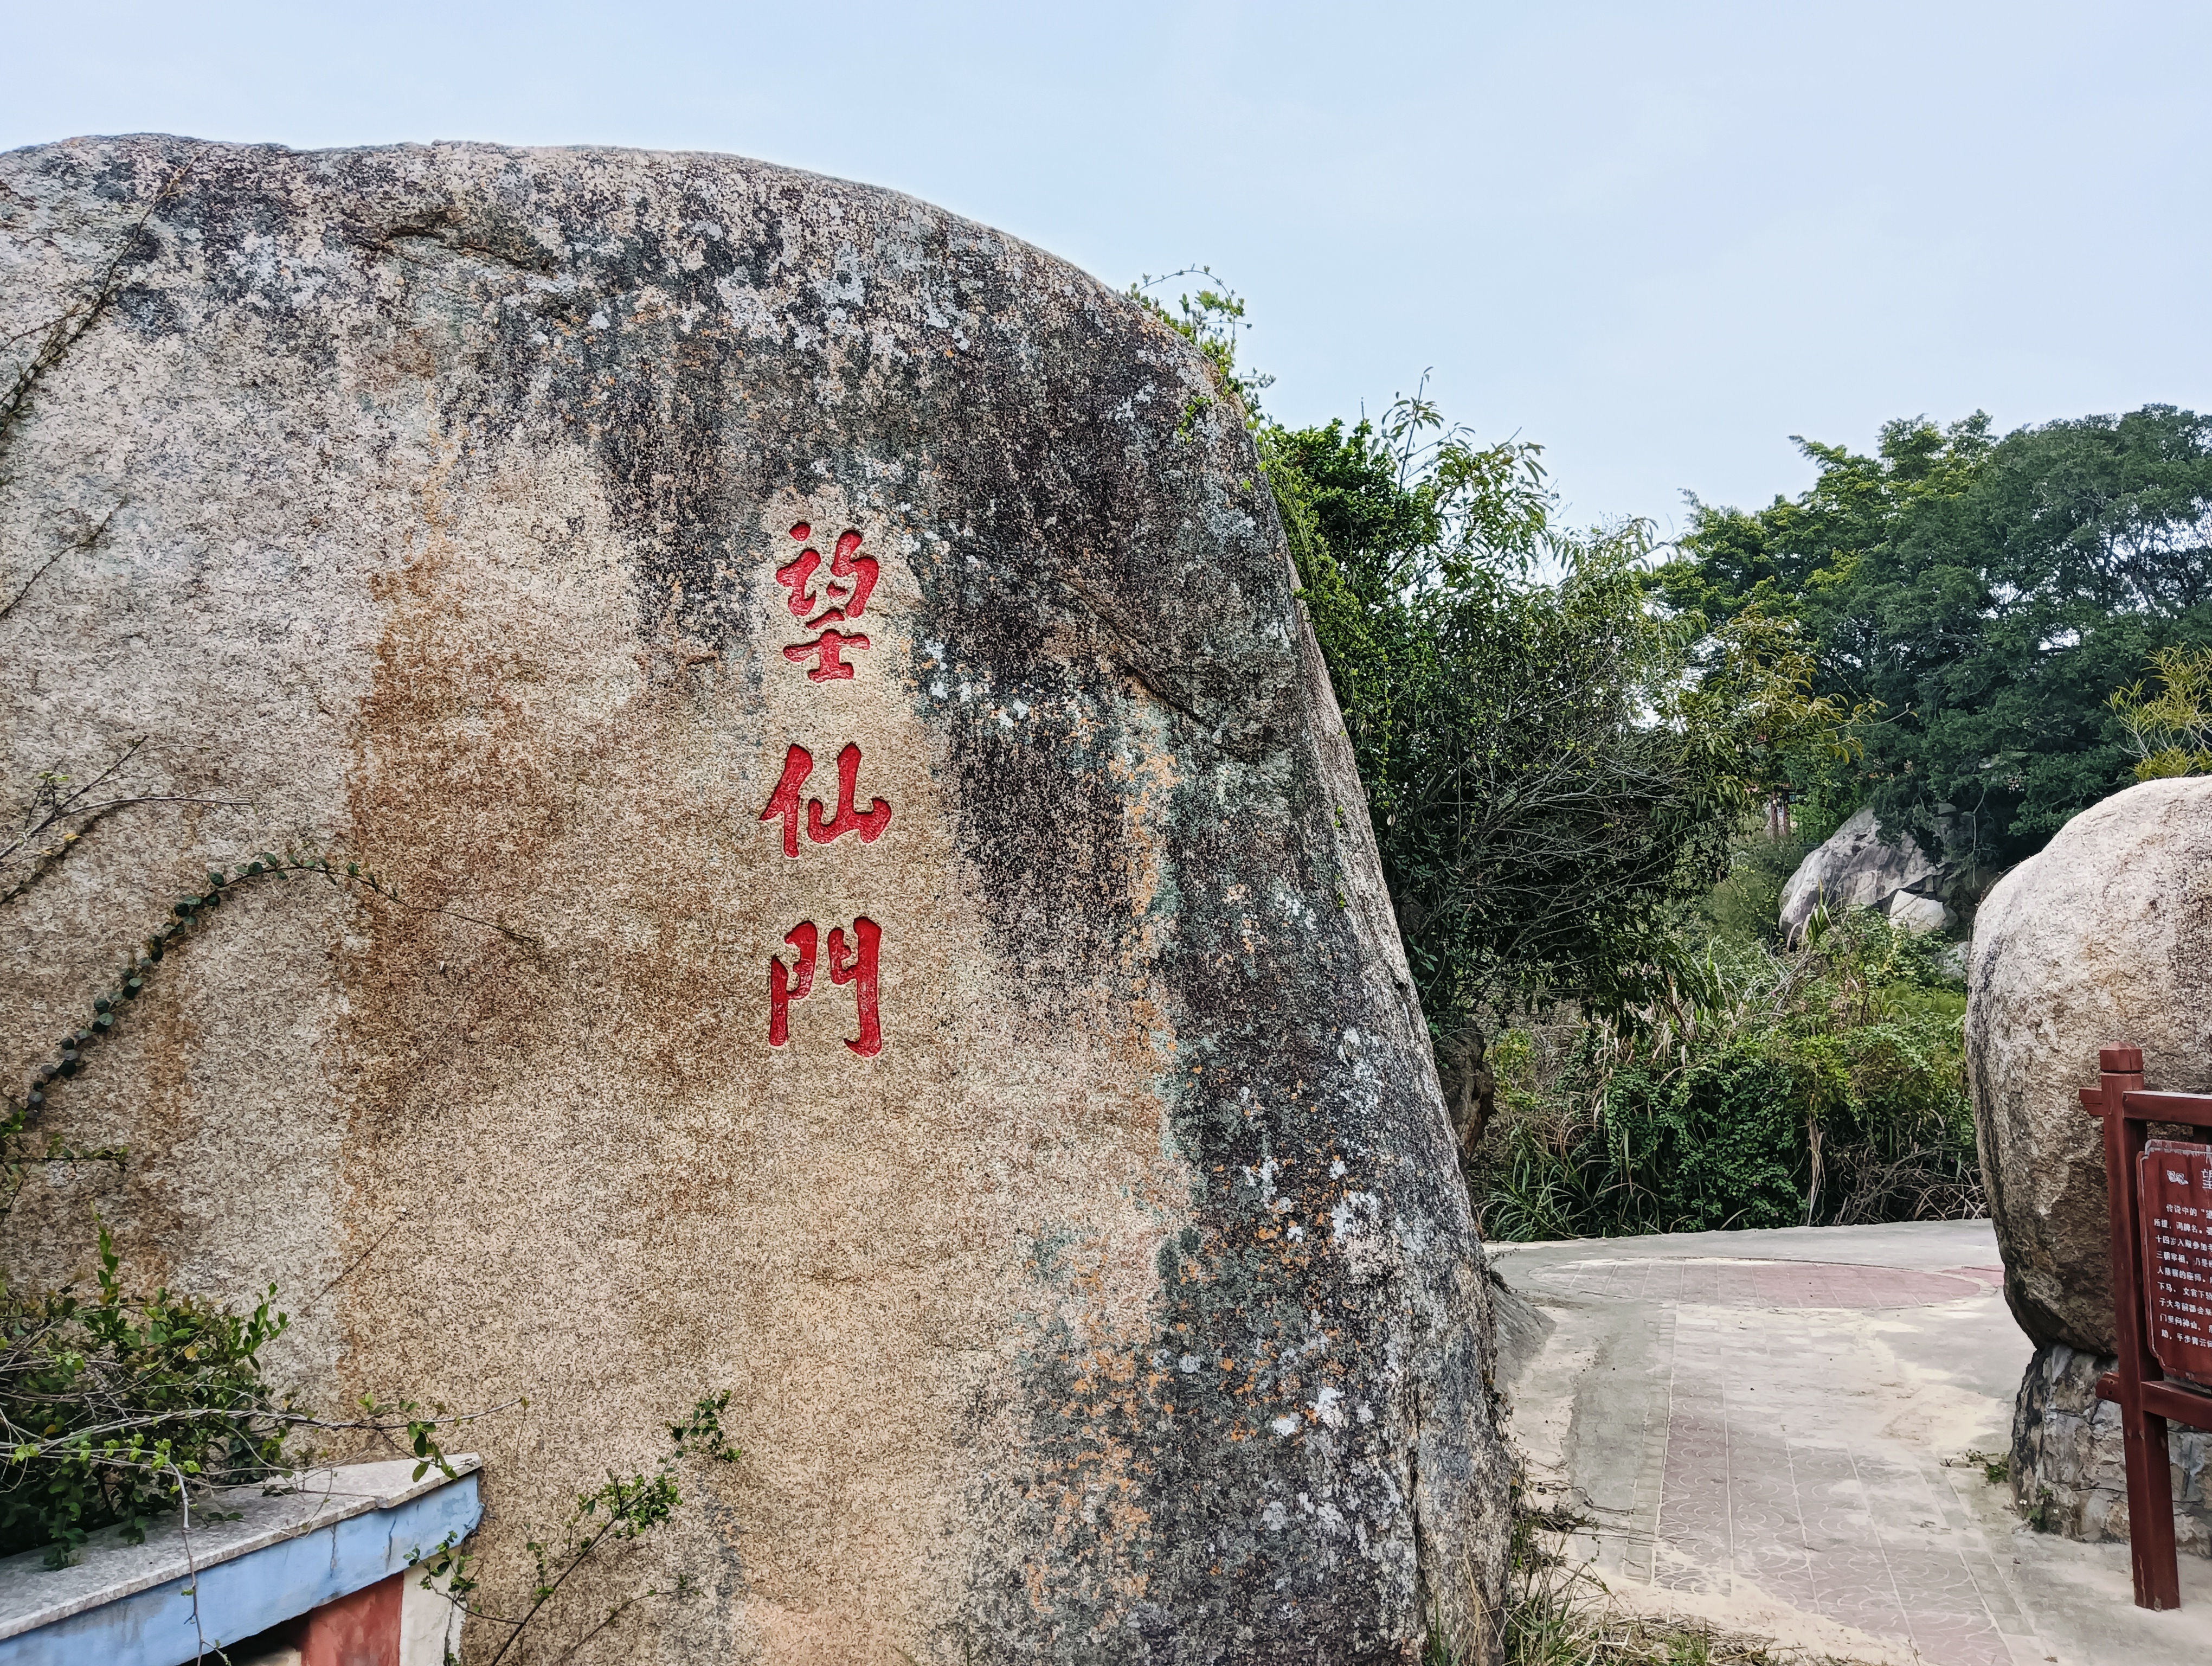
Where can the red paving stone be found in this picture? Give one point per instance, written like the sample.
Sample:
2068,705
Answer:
1778,1284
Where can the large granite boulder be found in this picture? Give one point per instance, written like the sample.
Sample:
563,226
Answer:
2103,938
1861,865
887,922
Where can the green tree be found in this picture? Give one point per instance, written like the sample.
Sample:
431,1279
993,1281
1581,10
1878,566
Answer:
1975,600
1549,789
2171,732
1551,782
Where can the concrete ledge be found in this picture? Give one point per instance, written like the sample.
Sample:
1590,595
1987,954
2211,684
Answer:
329,1534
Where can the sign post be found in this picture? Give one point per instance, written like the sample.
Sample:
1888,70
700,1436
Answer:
2159,1192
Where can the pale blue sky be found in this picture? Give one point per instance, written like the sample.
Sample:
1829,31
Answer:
1658,238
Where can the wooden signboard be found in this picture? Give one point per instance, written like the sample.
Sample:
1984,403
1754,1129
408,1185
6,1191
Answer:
2173,1185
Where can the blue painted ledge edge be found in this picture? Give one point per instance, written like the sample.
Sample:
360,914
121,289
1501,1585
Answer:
334,1533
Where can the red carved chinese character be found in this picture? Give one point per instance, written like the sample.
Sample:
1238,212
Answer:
856,965
796,573
870,936
783,990
798,764
858,574
867,822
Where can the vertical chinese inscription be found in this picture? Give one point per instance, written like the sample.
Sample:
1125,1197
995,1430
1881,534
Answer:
854,959
2174,1188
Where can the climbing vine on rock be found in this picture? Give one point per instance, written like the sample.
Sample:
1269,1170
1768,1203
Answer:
113,1406
116,1407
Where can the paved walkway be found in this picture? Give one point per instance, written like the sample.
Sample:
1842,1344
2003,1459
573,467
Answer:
1771,1431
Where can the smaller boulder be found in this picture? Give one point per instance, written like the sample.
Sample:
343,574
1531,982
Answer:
1859,866
2102,939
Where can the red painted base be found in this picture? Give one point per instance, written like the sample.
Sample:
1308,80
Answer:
360,1630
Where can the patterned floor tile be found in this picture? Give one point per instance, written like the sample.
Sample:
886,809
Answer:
1768,1493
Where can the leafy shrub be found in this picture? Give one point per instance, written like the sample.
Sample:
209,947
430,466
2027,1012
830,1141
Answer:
1746,906
1823,1084
2171,734
110,1407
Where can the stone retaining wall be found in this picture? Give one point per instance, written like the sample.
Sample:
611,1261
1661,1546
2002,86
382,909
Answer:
2069,1474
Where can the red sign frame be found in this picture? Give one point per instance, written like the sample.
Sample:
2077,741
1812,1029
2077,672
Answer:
2148,1400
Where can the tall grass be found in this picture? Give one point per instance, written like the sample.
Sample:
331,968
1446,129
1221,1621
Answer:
1823,1084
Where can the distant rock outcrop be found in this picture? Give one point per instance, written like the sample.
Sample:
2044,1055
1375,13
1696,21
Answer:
1857,867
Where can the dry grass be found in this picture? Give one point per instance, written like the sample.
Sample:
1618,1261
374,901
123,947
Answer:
1559,1613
